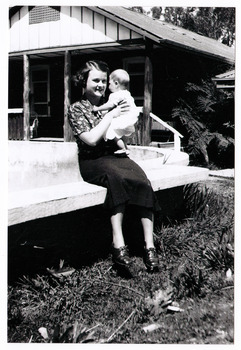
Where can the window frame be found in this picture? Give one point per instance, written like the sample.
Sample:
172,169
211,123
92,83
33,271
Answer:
34,69
126,63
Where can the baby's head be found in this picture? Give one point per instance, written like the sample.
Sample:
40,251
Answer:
119,80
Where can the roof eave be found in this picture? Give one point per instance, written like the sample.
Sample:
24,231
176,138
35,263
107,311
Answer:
13,10
159,40
149,35
228,60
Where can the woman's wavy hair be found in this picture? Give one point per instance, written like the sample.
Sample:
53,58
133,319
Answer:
81,76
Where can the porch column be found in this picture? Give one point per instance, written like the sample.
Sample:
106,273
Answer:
147,106
68,134
26,103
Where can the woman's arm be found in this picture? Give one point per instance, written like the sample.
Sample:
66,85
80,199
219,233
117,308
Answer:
113,102
93,136
106,106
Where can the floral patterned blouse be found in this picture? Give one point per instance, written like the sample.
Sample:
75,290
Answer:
82,118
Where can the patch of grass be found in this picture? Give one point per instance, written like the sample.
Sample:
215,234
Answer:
94,304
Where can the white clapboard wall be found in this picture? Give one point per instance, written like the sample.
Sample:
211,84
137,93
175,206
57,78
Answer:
76,25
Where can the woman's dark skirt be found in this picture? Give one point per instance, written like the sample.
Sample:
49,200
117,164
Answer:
125,181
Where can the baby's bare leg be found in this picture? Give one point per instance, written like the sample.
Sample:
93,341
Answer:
120,143
122,147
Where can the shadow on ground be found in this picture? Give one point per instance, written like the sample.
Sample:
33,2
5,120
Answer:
80,237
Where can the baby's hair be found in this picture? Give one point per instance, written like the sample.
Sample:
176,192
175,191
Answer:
81,76
121,76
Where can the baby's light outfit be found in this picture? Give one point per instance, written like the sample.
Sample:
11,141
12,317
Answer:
124,124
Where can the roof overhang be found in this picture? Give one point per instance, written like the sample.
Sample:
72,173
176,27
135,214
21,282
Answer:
163,35
122,45
166,34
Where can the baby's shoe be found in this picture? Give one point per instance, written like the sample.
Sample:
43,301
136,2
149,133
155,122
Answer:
122,152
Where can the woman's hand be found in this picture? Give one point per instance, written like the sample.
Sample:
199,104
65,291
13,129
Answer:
124,106
115,112
93,136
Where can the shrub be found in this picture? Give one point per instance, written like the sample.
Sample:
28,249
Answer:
206,115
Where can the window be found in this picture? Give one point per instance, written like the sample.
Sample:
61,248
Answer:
40,91
135,66
40,14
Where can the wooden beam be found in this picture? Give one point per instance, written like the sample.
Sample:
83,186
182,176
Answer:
26,103
61,50
68,134
147,105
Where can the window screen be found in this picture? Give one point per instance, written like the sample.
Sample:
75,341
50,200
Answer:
40,91
40,14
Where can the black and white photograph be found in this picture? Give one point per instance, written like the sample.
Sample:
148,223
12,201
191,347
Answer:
120,223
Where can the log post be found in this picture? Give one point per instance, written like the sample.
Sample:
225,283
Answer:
147,106
68,134
26,103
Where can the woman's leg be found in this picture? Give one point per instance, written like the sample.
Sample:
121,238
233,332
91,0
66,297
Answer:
116,223
150,255
147,219
120,251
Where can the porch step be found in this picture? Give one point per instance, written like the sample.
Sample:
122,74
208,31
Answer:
58,199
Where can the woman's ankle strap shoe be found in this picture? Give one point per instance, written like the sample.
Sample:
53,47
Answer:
121,256
151,259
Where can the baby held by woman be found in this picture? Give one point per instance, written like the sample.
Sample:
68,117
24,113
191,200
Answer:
124,124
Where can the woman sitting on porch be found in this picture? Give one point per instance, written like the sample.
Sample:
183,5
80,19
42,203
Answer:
125,181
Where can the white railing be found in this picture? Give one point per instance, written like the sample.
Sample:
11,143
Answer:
177,135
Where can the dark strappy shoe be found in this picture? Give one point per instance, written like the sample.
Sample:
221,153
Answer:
122,260
151,259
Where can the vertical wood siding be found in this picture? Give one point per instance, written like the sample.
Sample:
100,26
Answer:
15,126
23,28
77,26
14,32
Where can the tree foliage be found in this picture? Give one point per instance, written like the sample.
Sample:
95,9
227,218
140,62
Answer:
203,114
214,22
137,9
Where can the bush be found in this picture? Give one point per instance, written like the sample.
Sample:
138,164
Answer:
206,117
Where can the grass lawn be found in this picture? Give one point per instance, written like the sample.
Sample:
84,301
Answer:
189,301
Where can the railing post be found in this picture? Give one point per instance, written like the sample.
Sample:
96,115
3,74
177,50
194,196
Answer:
177,135
177,143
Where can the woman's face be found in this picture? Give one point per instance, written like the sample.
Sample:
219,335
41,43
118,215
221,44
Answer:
96,85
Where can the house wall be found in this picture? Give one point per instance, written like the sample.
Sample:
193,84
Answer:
15,96
172,69
77,26
51,126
